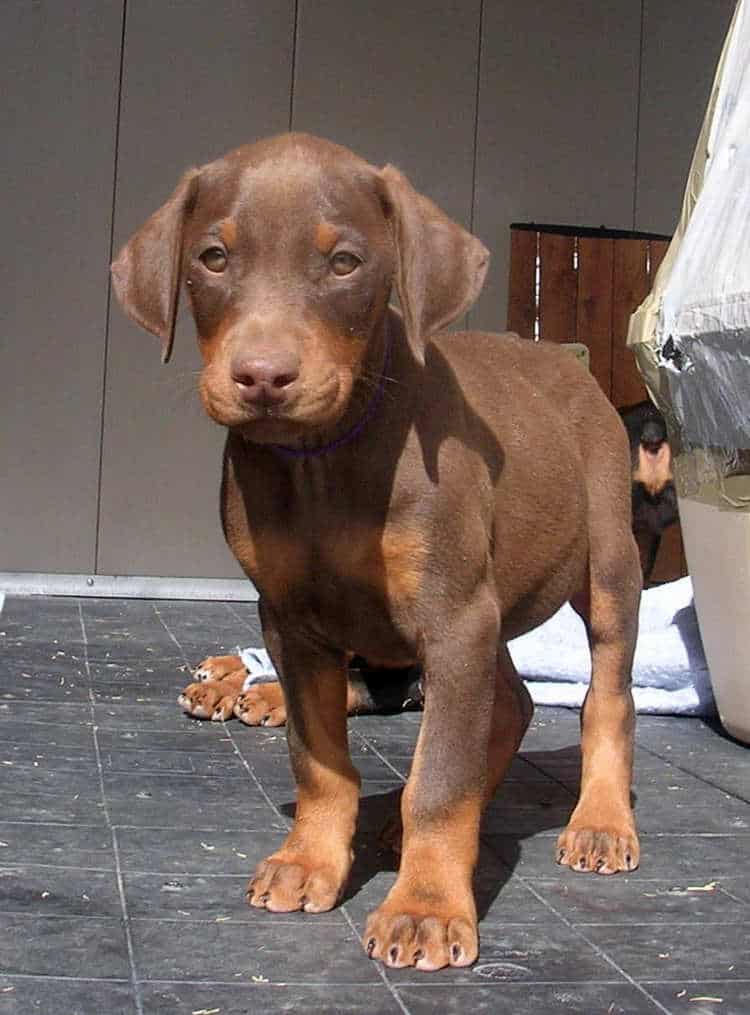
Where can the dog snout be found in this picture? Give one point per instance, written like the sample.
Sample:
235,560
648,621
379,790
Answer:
265,380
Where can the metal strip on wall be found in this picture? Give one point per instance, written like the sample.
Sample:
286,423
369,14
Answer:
127,587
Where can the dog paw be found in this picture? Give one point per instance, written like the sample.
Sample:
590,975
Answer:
217,667
401,936
599,850
261,705
284,884
208,700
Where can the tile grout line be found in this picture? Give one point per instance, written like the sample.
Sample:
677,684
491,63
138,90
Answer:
723,882
135,985
426,985
376,752
380,968
239,617
686,771
599,951
235,748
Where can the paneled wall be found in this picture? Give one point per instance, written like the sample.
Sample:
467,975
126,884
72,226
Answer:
578,112
59,73
193,85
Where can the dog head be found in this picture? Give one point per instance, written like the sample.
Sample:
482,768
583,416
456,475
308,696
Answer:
289,250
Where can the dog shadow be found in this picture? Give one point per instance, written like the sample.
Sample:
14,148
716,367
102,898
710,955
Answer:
521,809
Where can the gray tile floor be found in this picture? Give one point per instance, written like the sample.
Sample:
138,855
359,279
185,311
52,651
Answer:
127,832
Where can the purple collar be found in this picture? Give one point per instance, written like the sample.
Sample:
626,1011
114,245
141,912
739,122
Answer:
354,431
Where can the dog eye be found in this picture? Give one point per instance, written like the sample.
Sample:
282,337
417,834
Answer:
215,259
344,263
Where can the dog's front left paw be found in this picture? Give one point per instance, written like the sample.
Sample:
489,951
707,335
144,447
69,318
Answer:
429,938
599,848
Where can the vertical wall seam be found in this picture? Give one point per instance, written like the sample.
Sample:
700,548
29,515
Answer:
295,30
476,117
467,320
108,308
639,91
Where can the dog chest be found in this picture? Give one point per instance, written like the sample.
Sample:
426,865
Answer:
384,567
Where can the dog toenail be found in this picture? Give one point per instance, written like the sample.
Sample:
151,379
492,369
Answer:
370,946
456,952
393,953
582,863
561,856
418,954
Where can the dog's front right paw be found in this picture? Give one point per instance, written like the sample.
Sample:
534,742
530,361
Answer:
428,937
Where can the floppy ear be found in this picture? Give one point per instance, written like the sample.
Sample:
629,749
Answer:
146,274
441,267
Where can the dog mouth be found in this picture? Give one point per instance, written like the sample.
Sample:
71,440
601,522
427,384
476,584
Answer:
278,420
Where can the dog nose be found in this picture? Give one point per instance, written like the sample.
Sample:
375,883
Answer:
265,380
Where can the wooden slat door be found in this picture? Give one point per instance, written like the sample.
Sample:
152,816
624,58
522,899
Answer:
558,290
630,286
522,283
596,260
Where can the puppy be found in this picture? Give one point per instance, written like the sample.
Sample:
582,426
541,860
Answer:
403,494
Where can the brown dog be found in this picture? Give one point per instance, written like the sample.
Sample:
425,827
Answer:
402,499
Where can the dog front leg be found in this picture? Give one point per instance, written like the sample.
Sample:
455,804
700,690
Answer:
310,870
429,917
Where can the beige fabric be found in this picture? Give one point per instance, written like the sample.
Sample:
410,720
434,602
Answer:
699,473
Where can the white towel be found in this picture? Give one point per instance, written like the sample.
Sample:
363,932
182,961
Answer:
670,675
257,662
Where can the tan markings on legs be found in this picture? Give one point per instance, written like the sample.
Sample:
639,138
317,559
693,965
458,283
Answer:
429,919
511,715
310,870
601,834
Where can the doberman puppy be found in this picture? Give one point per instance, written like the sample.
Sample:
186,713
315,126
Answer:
403,494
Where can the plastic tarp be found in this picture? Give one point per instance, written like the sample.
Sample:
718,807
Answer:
691,336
